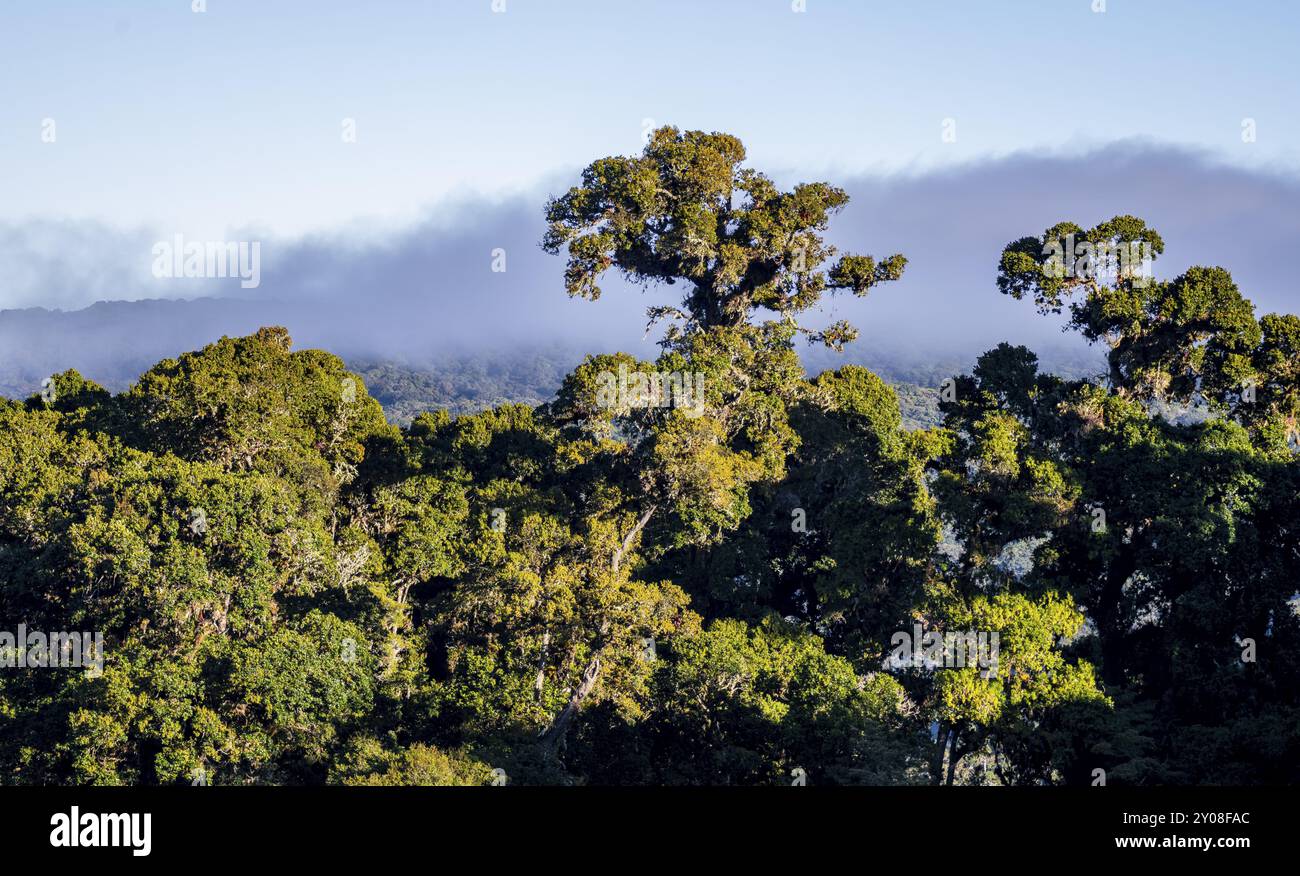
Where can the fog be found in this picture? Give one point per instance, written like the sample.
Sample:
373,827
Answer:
419,293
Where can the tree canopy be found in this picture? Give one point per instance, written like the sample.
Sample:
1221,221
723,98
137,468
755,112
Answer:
706,568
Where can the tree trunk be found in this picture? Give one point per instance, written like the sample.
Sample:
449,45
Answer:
936,759
1108,627
541,666
553,736
631,535
953,757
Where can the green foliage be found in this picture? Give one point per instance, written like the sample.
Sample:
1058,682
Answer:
686,210
616,589
741,704
368,762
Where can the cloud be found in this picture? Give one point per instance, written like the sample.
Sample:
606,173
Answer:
953,224
428,289
72,263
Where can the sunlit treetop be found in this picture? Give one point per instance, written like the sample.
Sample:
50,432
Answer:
686,210
1176,340
1067,259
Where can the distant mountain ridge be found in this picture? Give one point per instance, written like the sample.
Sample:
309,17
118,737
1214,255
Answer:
113,342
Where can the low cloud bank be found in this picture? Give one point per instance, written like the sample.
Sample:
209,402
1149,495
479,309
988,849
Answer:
437,288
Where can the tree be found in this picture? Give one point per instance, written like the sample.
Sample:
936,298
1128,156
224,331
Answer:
203,565
1163,514
671,215
686,210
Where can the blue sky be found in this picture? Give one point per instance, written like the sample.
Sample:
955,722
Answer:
232,118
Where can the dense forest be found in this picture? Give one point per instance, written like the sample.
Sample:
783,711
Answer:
471,384
694,570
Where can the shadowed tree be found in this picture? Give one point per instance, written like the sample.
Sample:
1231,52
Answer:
1159,500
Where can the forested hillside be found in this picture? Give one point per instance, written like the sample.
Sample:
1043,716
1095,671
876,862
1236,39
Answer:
693,570
104,343
473,384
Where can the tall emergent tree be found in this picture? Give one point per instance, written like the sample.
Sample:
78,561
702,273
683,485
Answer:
687,211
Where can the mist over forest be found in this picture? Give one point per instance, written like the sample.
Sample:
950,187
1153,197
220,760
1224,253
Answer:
426,299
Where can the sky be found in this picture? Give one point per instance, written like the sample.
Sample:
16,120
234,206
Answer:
379,152
233,118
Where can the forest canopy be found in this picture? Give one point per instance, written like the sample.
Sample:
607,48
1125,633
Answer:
775,583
